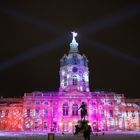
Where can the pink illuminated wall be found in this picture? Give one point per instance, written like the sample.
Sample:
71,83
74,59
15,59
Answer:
11,114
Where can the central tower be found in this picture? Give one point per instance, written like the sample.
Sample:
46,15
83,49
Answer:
74,73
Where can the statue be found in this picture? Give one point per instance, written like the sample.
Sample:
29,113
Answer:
74,34
83,108
74,44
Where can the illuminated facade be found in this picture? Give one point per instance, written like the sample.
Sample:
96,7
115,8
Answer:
58,111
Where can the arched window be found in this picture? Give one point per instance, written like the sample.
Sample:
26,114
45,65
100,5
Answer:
119,112
65,81
45,124
74,82
75,59
55,111
65,109
36,112
102,113
0,113
94,113
45,112
111,113
75,109
6,113
84,84
36,125
28,112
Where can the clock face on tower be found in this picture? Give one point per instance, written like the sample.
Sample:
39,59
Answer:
74,69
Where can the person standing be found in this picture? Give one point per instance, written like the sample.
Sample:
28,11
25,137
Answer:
87,132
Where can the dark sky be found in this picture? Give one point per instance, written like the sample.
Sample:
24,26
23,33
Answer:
34,35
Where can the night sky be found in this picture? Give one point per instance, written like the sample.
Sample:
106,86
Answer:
34,35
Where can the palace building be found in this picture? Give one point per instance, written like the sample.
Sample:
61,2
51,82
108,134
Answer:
58,111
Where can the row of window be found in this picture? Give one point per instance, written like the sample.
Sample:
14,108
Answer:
66,112
73,60
36,125
103,113
74,81
45,113
37,103
74,112
6,112
102,103
74,109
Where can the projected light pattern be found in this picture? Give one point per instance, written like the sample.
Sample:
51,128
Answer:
46,112
108,21
11,114
58,111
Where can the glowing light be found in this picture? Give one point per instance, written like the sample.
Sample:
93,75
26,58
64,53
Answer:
89,123
74,34
60,124
70,124
68,75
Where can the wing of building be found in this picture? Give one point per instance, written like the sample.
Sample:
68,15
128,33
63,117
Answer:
58,111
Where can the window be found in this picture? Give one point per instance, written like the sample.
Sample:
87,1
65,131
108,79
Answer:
66,127
65,109
37,103
94,113
28,103
36,112
83,80
0,113
45,124
27,125
45,113
133,113
6,113
110,102
75,59
54,125
65,81
54,112
28,112
102,113
111,113
46,103
74,80
119,101
127,113
120,112
36,125
94,103
84,84
75,110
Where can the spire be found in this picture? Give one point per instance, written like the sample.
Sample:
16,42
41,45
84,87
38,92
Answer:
74,44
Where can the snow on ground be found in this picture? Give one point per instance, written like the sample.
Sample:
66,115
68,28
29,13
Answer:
44,136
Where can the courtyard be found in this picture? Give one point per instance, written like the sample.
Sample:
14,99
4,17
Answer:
43,136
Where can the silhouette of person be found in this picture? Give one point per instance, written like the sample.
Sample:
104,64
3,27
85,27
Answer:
87,132
76,130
